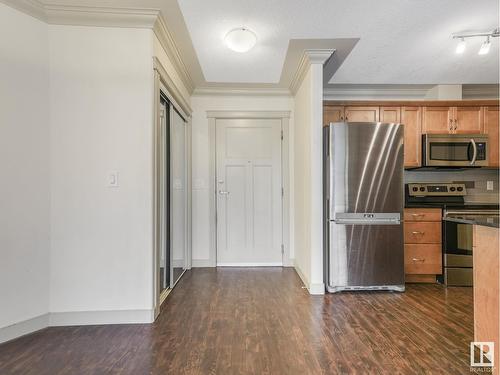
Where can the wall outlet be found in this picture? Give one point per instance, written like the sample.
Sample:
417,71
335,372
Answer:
113,179
489,185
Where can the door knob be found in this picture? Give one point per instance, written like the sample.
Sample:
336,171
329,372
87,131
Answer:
222,192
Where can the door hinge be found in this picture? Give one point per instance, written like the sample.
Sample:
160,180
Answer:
282,249
282,192
282,135
162,113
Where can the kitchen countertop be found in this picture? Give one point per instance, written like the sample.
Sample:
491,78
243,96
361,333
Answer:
484,220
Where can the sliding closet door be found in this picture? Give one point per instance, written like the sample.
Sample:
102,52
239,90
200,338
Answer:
178,194
164,195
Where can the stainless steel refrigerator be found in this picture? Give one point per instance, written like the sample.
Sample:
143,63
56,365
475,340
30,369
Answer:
364,198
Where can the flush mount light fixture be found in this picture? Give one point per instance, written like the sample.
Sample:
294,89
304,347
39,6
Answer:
485,47
240,39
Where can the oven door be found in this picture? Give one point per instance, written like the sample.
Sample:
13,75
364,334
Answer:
455,151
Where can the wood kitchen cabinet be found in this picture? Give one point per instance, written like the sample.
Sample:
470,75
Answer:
332,114
390,114
468,120
453,120
437,120
422,243
361,114
411,118
491,127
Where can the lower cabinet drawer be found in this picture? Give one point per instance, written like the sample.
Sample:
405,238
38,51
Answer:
423,259
422,232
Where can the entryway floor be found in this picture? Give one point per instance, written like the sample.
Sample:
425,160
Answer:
261,321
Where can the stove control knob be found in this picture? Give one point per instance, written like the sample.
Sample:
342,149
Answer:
452,188
460,188
422,189
415,188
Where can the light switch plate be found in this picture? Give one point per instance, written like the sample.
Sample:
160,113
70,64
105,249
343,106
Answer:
489,185
113,179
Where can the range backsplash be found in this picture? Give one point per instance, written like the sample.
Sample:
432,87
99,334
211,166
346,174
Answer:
475,180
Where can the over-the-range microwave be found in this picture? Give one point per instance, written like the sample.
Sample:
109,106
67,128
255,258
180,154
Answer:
454,150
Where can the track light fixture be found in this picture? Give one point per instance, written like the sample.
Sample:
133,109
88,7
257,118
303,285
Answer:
485,47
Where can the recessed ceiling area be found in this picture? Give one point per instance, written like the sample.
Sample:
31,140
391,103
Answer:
401,42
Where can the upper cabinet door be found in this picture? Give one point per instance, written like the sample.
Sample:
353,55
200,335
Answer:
437,120
491,127
332,114
390,114
411,118
361,114
468,120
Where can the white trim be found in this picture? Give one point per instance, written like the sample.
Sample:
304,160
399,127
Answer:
242,91
380,92
302,277
202,263
489,91
285,159
173,92
271,264
24,328
33,8
248,114
164,35
73,318
317,289
309,57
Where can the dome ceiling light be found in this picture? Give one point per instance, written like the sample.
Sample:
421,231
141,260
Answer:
240,39
485,47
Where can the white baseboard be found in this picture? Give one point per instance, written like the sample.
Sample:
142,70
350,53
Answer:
75,318
271,264
201,263
24,328
317,289
82,318
302,276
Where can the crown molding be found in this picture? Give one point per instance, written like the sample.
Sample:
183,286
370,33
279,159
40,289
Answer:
100,16
241,91
32,8
309,57
109,17
383,92
168,43
487,91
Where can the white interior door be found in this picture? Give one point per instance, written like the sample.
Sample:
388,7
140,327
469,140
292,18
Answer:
249,192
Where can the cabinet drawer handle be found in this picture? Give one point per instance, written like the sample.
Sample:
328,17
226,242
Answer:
417,232
417,215
421,260
451,124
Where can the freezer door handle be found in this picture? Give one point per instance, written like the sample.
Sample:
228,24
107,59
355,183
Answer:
368,218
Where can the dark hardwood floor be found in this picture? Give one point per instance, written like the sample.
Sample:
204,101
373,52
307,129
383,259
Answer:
261,321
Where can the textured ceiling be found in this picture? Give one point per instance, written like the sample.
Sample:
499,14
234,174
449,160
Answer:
401,41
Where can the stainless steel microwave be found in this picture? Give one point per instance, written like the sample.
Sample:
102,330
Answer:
454,150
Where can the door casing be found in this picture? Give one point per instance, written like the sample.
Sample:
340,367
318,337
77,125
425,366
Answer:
212,123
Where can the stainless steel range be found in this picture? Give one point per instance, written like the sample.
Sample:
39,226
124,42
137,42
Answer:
457,237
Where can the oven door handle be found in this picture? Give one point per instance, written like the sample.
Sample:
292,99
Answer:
474,154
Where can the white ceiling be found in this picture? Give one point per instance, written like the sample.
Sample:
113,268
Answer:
401,41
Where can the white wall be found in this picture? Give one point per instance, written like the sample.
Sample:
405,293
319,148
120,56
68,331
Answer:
302,185
24,167
200,157
101,95
308,182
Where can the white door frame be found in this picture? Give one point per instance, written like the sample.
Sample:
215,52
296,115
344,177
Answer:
163,83
284,116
